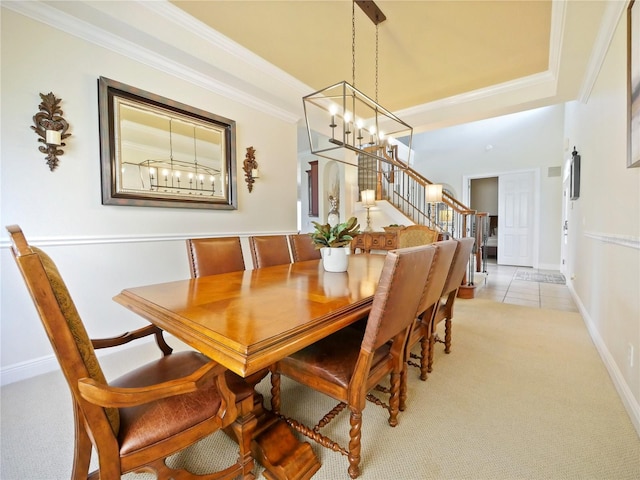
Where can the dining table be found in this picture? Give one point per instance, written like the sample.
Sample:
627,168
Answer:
248,320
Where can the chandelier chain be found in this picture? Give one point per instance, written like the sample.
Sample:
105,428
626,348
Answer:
353,43
376,63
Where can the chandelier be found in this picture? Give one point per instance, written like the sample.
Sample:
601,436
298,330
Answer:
174,176
343,123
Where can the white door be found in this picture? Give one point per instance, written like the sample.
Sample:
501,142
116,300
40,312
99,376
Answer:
515,219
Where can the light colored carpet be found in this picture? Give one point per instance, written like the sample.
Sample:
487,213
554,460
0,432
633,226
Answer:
523,395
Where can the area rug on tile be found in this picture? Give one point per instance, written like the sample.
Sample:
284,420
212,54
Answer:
540,277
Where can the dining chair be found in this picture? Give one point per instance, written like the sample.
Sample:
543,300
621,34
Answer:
444,307
148,414
415,235
269,250
211,256
349,363
303,248
421,328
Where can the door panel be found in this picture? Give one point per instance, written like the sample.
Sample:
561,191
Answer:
515,218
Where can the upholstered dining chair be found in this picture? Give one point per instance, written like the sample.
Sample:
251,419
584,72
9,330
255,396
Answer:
444,308
415,235
438,273
350,363
269,250
211,256
303,248
148,414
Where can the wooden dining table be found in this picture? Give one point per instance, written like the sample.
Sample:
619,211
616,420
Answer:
250,319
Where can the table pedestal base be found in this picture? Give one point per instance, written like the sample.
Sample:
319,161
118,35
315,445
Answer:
278,450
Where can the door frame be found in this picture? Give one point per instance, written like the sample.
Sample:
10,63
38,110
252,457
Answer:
466,199
566,206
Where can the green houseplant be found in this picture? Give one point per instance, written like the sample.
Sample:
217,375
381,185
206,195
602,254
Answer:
331,242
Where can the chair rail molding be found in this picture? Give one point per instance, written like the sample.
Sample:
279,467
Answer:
616,239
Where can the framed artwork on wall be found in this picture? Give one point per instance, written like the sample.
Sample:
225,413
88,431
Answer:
633,83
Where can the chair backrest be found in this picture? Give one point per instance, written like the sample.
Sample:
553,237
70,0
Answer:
60,318
458,265
415,235
399,291
268,250
440,267
303,248
211,256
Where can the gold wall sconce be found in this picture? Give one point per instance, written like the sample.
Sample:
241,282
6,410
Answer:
51,128
250,167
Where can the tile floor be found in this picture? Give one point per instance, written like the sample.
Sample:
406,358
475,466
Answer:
499,283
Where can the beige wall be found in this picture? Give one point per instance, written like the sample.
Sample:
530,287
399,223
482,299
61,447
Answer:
604,224
103,249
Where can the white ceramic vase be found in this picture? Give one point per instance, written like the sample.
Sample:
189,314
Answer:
335,259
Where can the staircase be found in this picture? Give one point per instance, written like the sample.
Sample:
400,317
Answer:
406,190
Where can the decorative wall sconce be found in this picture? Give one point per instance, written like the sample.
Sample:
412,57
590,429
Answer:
51,127
250,167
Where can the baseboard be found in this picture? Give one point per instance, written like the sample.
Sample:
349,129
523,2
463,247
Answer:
628,400
25,370
549,266
32,368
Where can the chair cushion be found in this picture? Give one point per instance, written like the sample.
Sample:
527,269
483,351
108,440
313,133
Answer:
333,358
152,422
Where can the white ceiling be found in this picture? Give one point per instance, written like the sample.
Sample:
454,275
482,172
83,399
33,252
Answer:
440,62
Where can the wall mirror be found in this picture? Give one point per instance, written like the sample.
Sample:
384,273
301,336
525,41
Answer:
156,152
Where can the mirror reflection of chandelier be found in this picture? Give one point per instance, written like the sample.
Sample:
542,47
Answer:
180,176
344,123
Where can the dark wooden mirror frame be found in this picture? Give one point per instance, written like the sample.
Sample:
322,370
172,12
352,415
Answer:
110,93
633,84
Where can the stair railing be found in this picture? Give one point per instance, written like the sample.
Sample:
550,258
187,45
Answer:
406,190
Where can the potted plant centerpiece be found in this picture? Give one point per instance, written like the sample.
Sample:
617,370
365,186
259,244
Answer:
332,242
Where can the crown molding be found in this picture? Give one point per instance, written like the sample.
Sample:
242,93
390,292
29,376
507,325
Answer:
219,41
284,87
610,21
49,15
